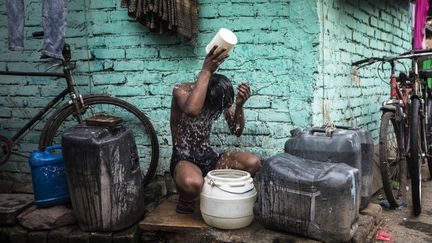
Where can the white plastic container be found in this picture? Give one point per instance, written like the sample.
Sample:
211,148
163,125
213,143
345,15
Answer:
227,199
224,38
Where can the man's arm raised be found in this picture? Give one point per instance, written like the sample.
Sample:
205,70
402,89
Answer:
190,97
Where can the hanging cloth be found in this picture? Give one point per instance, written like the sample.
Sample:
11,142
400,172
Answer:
166,16
421,12
187,19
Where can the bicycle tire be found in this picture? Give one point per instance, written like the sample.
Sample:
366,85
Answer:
414,163
392,165
64,116
5,149
429,133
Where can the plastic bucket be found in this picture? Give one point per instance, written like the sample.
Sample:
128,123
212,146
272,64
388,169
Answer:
227,199
224,38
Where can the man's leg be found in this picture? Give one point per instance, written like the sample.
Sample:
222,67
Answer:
239,160
189,181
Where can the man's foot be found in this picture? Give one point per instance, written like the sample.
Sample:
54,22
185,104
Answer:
185,206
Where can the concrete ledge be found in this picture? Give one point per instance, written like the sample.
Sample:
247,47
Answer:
69,234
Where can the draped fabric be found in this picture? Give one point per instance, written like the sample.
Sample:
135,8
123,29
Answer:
421,12
166,16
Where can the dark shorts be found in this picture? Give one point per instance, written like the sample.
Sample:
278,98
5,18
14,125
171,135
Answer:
206,161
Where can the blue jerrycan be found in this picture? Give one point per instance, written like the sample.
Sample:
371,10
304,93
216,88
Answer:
48,176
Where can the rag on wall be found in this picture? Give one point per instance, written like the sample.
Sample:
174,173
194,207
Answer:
166,16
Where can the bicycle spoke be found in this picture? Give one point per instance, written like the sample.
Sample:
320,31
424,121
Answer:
390,159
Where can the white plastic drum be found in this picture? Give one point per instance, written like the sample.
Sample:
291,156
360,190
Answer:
227,199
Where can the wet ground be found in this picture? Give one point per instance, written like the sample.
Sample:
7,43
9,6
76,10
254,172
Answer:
403,226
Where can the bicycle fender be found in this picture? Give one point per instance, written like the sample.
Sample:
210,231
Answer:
86,96
397,109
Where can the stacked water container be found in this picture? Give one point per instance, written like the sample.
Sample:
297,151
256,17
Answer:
318,185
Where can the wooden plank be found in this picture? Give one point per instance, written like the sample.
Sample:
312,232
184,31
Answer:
165,218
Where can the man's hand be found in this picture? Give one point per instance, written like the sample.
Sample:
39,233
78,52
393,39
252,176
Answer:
243,94
214,59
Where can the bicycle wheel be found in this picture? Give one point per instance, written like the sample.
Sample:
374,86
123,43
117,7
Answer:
5,149
429,132
392,165
133,118
415,155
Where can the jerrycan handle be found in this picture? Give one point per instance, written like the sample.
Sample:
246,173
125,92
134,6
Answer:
316,130
328,131
53,147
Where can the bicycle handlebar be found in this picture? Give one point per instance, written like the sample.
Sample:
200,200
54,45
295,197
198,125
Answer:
407,55
367,60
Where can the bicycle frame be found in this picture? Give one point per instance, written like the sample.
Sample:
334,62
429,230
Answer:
407,109
69,89
395,92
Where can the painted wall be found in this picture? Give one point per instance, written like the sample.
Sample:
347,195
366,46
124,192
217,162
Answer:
294,54
276,54
351,31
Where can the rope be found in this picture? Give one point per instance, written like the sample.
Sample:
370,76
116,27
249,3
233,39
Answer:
330,128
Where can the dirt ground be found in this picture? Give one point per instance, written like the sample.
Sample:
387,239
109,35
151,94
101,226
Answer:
402,225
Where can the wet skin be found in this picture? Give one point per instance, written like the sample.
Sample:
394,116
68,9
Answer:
191,123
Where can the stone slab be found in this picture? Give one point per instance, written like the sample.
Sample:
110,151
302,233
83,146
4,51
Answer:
100,237
60,235
374,210
130,235
4,234
37,236
36,218
78,236
165,218
18,235
365,226
12,204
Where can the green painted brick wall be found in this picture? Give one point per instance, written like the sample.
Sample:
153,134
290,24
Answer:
350,31
283,52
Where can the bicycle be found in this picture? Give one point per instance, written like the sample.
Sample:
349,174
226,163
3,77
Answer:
78,109
405,132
